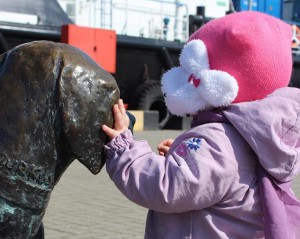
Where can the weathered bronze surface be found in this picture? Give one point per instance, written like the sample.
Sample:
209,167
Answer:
53,100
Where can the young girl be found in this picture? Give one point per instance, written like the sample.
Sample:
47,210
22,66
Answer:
229,176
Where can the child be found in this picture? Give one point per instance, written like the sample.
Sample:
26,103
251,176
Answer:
229,176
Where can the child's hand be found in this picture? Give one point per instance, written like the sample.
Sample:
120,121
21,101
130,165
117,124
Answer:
164,146
121,121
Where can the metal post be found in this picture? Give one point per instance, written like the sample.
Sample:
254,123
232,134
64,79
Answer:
250,5
111,14
176,23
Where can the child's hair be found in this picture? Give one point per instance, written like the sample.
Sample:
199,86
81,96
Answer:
237,58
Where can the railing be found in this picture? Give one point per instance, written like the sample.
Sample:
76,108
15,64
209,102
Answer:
159,19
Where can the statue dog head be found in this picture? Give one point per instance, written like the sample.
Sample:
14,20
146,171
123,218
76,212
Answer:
53,100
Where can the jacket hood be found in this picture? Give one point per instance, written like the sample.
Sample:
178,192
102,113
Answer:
271,126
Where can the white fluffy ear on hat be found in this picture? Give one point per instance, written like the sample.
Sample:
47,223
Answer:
193,57
192,87
181,97
220,88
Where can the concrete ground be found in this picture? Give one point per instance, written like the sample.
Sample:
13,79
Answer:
85,206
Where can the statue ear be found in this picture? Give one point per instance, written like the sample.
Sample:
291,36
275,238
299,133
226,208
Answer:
86,96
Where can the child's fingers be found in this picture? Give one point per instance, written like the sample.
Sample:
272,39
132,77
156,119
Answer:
111,133
118,117
164,146
161,153
166,142
163,150
122,107
123,120
126,119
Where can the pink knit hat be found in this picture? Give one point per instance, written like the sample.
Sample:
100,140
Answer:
237,58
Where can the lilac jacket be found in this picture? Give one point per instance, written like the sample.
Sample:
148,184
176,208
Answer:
207,185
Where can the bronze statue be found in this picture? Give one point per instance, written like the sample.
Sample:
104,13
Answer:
53,100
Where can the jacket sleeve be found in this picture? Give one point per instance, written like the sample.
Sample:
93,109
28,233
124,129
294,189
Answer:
192,176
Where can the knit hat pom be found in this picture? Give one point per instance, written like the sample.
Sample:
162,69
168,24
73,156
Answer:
237,58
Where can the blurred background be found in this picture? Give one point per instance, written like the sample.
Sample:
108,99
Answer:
135,40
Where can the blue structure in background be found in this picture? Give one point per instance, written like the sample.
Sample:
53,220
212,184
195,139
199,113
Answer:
287,10
296,11
271,7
